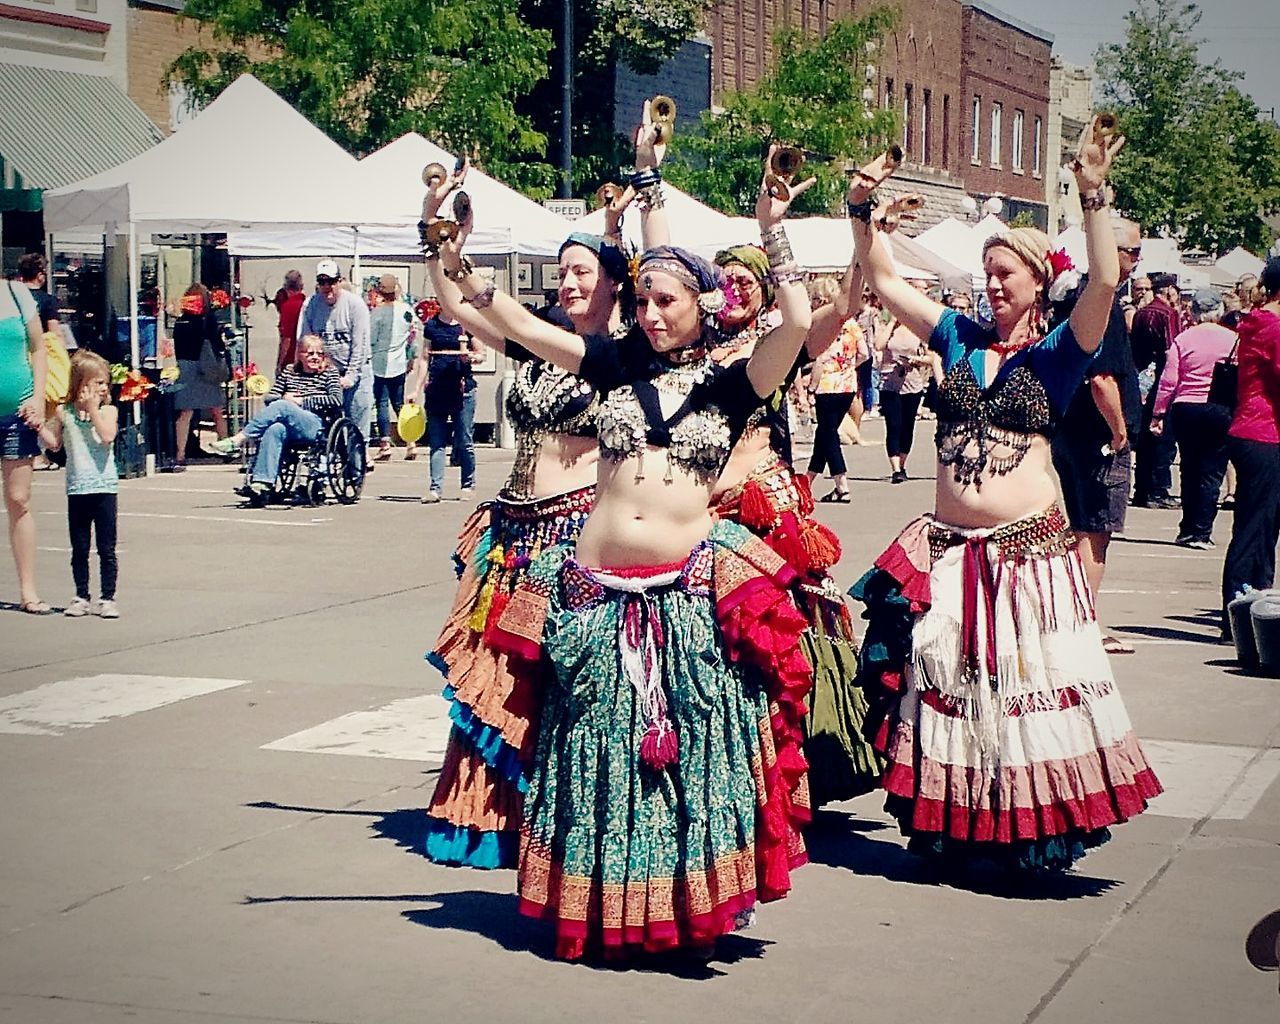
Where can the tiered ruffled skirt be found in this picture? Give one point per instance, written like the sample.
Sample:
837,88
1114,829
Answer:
992,698
474,815
775,504
628,844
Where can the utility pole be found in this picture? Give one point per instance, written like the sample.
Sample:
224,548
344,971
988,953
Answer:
566,101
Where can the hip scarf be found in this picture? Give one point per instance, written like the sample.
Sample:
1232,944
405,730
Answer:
991,697
667,787
474,815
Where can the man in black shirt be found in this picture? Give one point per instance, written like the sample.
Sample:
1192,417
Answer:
33,272
1091,451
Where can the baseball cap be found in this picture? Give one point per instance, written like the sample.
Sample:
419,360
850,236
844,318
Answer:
1205,300
328,268
388,283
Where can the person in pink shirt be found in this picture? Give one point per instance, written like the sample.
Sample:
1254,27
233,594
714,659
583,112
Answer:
1199,425
1254,448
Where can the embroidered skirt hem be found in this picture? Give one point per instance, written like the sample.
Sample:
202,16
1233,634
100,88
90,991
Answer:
993,701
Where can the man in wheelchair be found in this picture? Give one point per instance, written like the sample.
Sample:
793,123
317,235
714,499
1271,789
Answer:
292,414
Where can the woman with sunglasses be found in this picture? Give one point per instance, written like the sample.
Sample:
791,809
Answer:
670,645
994,702
474,815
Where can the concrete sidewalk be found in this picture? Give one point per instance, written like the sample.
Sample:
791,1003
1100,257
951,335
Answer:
212,805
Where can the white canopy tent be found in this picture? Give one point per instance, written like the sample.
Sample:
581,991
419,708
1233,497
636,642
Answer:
506,221
958,243
1234,265
694,225
248,160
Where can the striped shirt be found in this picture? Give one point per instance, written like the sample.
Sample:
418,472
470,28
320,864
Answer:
316,391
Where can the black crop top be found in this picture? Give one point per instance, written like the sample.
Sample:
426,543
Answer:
1028,396
698,436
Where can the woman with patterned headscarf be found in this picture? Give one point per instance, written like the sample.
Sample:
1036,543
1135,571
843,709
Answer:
475,812
667,768
994,703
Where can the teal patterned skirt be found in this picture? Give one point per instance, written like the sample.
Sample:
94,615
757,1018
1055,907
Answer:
628,842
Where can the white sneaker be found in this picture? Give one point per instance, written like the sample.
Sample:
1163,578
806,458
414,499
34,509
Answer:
78,608
107,610
468,492
432,498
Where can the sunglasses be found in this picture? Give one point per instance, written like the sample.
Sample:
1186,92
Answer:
326,280
1135,251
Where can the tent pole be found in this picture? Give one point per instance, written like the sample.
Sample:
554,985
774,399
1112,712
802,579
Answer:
355,245
134,275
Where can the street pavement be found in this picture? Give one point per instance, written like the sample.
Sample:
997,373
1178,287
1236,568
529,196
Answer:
212,807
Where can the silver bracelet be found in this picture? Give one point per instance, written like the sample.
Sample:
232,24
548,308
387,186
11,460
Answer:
777,247
482,299
650,197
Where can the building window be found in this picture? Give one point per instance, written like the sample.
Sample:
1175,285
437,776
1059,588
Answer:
946,129
1018,121
976,153
908,117
926,127
888,94
997,119
1035,148
87,6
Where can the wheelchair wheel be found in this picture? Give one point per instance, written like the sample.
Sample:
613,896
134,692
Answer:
287,475
345,461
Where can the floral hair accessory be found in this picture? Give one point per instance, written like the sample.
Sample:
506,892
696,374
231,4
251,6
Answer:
1063,276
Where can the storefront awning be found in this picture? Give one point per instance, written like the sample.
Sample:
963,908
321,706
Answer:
60,126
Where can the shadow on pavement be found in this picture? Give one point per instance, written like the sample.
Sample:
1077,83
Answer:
1262,946
405,827
842,845
1168,633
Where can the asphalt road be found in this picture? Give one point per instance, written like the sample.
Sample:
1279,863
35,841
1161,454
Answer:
211,806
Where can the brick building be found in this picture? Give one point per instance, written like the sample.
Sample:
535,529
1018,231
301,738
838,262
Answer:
942,57
156,36
1005,82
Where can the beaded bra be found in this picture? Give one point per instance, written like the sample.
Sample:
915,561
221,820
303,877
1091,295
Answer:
698,436
545,400
974,423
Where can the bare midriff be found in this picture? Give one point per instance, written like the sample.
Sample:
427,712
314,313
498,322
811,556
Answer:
564,463
652,520
747,454
1028,488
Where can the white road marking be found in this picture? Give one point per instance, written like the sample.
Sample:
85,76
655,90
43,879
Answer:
141,487
411,729
1157,593
79,703
1197,776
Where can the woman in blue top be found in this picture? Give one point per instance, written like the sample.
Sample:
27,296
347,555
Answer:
22,381
993,701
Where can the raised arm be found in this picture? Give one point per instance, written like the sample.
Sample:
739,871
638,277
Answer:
503,314
774,354
913,308
1093,160
829,319
654,227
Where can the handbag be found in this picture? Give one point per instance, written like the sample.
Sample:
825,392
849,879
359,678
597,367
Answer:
1224,384
213,367
57,380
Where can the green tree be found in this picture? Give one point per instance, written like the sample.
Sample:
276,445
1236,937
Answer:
1200,163
606,35
813,99
367,71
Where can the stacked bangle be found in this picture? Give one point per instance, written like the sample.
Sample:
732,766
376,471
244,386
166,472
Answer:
1094,200
465,269
860,211
777,247
484,298
429,251
642,179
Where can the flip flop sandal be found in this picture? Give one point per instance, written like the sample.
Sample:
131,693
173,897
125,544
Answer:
35,608
835,497
1114,645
